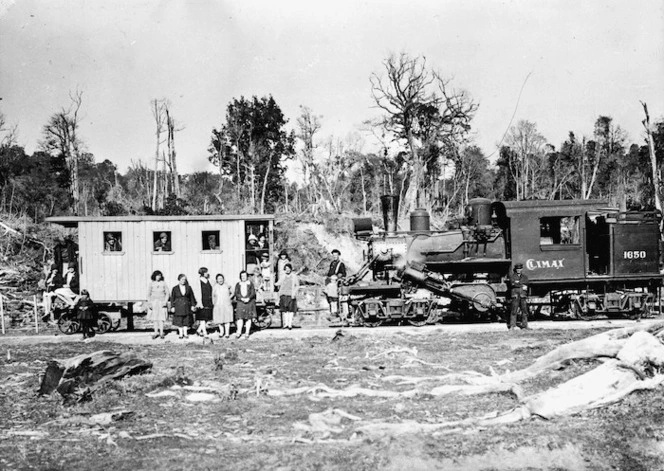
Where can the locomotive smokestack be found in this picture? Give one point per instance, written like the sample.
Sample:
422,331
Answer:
390,206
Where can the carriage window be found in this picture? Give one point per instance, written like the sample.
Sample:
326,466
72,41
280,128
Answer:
210,240
162,241
559,230
112,241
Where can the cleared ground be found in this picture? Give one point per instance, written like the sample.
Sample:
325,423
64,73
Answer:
246,426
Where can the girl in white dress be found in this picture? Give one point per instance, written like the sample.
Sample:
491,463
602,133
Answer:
222,313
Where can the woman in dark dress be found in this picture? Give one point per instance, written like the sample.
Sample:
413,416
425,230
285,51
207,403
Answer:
245,295
204,296
182,303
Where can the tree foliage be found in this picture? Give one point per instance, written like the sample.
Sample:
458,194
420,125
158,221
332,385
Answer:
251,148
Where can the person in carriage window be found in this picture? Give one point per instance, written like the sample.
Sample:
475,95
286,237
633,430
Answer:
212,242
112,243
163,243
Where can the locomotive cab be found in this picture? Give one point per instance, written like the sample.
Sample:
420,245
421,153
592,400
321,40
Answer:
584,259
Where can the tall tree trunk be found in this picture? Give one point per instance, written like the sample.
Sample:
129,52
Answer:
175,178
156,112
653,165
264,189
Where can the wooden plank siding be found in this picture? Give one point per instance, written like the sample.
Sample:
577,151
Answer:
124,276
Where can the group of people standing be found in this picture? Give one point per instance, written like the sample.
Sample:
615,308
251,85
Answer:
201,301
208,303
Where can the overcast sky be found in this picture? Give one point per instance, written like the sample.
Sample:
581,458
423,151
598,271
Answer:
585,58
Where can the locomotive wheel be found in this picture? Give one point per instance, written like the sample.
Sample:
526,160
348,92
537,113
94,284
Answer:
374,322
104,323
418,321
361,321
68,325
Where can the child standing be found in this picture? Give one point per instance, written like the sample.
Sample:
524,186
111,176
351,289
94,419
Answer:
86,314
266,271
288,287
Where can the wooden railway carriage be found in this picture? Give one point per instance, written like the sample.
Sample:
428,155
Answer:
117,255
586,257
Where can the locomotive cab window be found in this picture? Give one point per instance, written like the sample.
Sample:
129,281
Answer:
162,242
112,242
210,241
560,230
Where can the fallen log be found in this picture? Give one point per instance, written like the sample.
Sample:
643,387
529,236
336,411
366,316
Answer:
638,365
81,375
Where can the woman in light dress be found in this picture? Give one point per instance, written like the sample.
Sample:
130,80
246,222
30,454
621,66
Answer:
158,301
222,312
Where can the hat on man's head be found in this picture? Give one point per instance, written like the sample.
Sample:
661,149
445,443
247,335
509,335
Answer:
283,252
71,265
265,255
518,265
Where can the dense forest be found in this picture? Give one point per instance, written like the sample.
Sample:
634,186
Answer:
426,156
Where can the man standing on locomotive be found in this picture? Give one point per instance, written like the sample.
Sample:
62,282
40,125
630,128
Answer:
518,284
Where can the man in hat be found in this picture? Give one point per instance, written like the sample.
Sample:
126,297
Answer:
518,285
337,267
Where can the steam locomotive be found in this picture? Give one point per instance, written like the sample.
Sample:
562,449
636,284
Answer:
583,259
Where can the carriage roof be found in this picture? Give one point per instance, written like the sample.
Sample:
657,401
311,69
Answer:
73,221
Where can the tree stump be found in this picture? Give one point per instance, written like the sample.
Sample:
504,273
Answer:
81,375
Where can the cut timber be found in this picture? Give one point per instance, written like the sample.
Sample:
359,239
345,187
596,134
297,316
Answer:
88,371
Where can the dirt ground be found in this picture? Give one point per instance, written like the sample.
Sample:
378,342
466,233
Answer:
283,400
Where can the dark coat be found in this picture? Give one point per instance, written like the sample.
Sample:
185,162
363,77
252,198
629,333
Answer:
55,282
73,284
182,305
245,310
85,310
517,283
340,271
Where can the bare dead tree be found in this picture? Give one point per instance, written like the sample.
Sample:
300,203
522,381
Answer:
653,162
165,180
158,114
421,109
8,133
308,125
170,124
61,136
528,146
